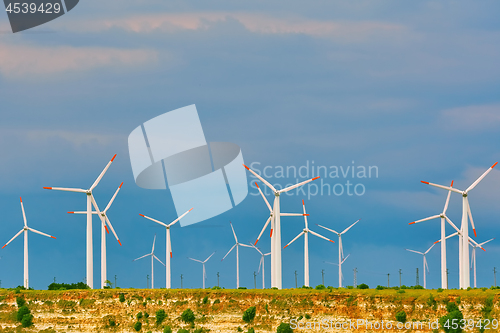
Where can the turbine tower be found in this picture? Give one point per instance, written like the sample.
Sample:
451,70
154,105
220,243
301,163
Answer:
203,263
473,259
152,254
237,245
276,279
105,220
25,230
341,262
168,246
341,249
261,264
305,232
466,215
90,202
444,280
425,261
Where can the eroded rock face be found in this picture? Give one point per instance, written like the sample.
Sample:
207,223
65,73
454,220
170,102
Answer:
102,310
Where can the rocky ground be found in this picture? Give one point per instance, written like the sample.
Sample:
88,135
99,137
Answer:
222,310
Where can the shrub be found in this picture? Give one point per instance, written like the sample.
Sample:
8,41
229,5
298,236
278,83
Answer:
205,300
216,288
188,316
27,320
363,286
160,316
454,314
401,316
146,315
138,326
401,291
122,297
217,301
249,314
320,287
350,287
251,330
242,287
65,286
239,329
139,315
379,287
307,316
23,310
167,329
182,330
20,301
439,290
111,323
284,328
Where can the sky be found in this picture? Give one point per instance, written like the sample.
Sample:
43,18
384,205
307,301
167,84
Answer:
408,88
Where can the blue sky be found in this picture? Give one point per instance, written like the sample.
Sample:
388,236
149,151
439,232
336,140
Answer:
411,88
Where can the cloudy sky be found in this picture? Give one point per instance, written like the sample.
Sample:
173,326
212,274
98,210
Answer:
410,88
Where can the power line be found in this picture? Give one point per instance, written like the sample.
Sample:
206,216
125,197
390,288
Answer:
400,277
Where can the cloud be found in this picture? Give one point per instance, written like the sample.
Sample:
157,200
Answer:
23,61
254,22
472,118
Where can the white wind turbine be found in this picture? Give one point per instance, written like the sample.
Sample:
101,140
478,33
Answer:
237,245
341,249
276,280
25,230
261,264
425,261
473,259
152,254
305,232
466,215
341,262
90,202
203,263
105,220
444,280
168,246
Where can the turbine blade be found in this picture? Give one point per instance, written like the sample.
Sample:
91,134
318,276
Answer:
103,220
142,256
93,212
486,242
480,178
13,238
235,238
427,218
255,247
102,174
209,257
447,199
195,260
345,258
180,217
293,240
154,241
24,214
320,236
263,197
343,232
265,226
261,179
443,187
229,252
429,249
113,198
470,217
260,264
414,251
159,260
452,235
79,190
113,230
293,214
41,233
159,222
452,224
305,214
327,229
297,185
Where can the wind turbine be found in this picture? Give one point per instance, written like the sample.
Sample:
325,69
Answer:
466,215
25,230
341,249
152,254
444,280
473,261
305,232
90,202
168,246
203,263
261,264
341,262
237,245
276,280
105,220
425,261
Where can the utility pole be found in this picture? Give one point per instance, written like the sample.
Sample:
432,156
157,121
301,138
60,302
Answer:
218,279
355,278
295,279
447,278
181,279
495,273
417,279
323,277
400,278
388,283
147,279
254,280
115,281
